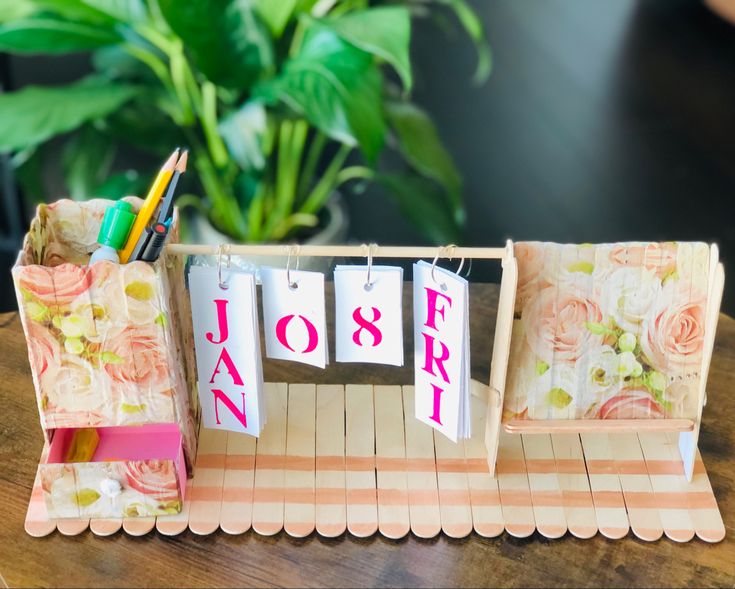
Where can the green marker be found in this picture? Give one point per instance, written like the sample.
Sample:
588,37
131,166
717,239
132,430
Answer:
116,225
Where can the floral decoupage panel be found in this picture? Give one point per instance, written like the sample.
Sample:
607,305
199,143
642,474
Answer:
607,331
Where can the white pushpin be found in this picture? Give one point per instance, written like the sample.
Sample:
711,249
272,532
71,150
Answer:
110,487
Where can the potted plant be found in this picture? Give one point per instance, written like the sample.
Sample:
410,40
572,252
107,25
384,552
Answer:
273,97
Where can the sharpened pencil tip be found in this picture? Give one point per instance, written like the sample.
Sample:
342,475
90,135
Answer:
171,161
181,164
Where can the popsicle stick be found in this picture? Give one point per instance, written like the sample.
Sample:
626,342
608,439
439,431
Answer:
705,515
637,492
670,487
105,526
390,460
423,494
575,485
299,509
138,526
175,524
546,496
37,522
209,477
454,491
72,526
237,498
362,500
487,515
515,494
607,496
331,494
268,496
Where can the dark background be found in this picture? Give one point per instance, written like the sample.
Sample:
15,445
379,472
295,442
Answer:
602,121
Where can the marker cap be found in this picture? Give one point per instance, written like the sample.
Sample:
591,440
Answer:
116,225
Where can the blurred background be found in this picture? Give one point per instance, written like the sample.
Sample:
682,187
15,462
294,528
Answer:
600,121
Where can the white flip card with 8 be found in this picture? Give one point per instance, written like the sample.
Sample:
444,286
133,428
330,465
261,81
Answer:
294,316
442,350
227,342
369,318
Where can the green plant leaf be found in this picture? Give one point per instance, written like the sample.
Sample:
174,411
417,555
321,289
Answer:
15,9
127,183
243,132
86,161
473,25
127,11
423,203
383,31
420,145
34,114
34,35
336,87
226,39
275,14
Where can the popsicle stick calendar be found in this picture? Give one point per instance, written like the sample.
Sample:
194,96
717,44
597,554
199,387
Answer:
588,422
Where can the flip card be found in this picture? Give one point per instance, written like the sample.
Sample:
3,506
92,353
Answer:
227,342
369,317
294,316
442,350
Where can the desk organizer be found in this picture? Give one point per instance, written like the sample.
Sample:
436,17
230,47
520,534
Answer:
564,439
109,347
336,459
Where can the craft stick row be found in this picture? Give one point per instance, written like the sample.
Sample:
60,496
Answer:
337,459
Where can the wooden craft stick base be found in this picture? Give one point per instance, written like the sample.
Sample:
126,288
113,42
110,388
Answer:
336,459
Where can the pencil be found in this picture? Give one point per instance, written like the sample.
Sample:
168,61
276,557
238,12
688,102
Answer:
149,206
167,204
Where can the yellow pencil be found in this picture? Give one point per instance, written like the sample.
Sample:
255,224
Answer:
149,206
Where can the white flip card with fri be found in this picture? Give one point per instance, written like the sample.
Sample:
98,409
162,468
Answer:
369,316
294,316
442,350
227,343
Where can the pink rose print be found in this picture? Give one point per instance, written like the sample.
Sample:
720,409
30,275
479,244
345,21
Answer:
156,478
631,404
673,332
555,325
43,349
659,257
138,356
58,286
531,258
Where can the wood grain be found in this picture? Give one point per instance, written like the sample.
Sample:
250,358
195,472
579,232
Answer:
156,560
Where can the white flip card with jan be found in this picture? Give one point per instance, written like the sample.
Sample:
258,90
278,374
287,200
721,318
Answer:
294,316
442,350
368,315
227,342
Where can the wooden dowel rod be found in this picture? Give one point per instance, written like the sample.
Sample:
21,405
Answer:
347,251
560,426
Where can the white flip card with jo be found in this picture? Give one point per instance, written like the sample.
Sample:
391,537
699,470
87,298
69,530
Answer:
227,343
442,350
369,317
294,316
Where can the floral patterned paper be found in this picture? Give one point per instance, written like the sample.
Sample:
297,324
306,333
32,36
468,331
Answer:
609,331
108,344
139,489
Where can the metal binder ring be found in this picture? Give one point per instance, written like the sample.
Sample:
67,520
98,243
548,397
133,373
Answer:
294,249
368,283
221,248
448,252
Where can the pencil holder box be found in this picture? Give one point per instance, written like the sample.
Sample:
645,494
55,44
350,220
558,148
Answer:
110,348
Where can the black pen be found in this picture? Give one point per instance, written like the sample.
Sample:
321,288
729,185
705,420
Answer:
159,233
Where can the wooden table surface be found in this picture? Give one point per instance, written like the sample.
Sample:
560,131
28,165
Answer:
252,560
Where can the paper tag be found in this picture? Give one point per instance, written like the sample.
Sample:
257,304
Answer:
227,342
441,348
369,321
294,316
